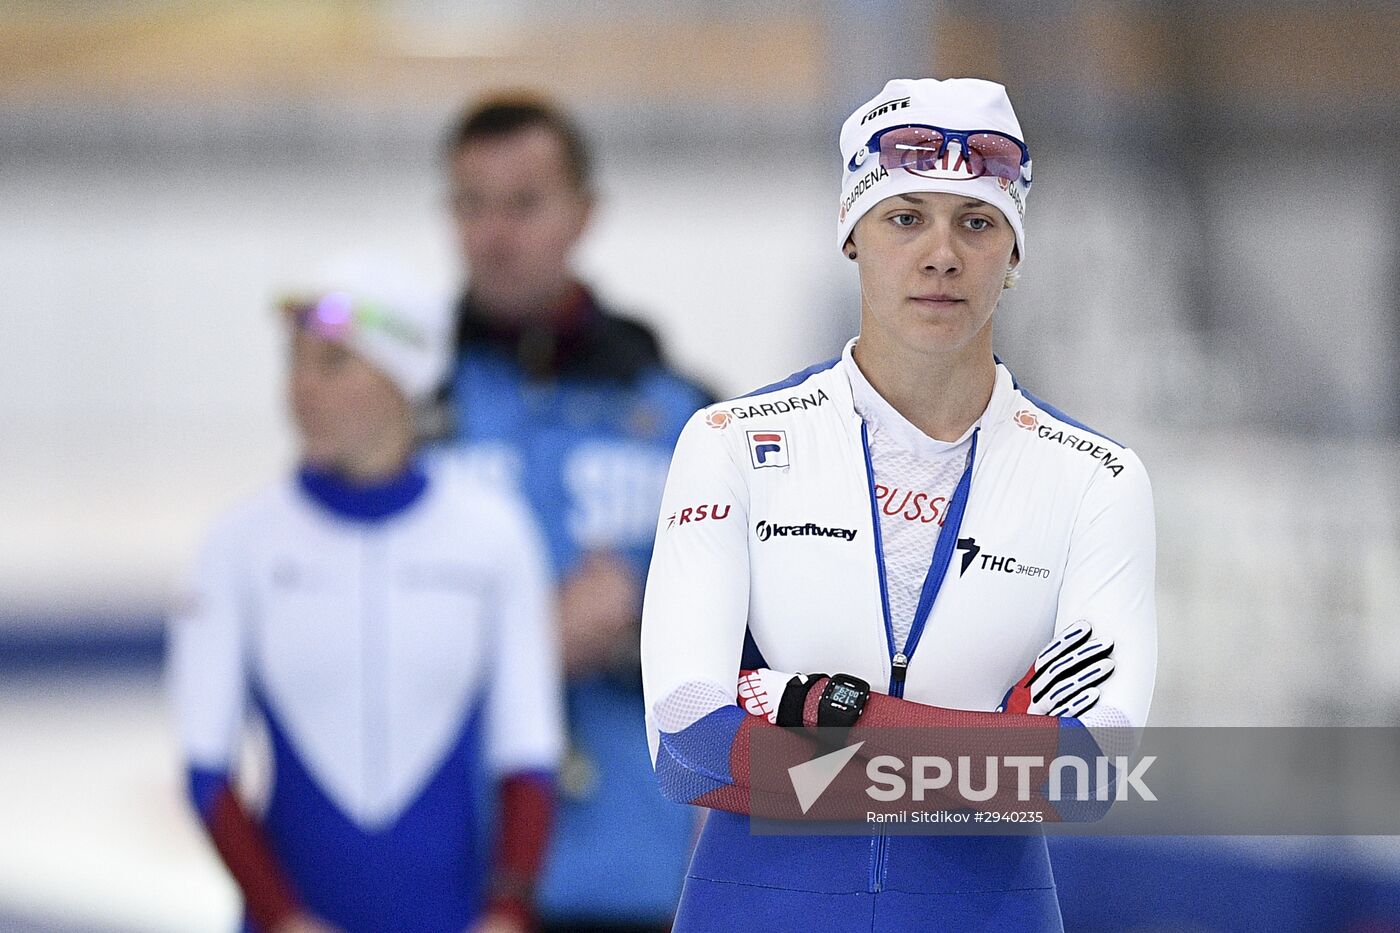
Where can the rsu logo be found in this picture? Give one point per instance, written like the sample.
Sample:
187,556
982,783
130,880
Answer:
698,513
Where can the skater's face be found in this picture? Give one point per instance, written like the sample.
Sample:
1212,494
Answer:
343,407
932,267
518,213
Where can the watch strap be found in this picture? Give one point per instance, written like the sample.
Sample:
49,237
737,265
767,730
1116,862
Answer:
794,701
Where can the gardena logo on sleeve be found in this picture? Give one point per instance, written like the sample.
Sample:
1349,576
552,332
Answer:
720,418
1027,419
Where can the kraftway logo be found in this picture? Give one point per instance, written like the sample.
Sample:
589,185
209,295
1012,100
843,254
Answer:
995,562
766,530
1115,779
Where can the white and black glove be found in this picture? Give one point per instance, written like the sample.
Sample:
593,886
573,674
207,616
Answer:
775,695
1064,679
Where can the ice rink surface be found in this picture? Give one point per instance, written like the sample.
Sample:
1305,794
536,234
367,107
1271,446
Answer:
97,832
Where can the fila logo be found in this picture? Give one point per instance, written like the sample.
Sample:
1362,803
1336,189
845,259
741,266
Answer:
768,449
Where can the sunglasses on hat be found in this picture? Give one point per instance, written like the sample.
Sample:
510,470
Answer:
921,148
335,315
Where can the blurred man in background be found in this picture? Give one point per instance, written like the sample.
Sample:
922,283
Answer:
382,623
576,407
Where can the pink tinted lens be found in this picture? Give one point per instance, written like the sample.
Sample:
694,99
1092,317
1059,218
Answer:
998,155
330,316
915,147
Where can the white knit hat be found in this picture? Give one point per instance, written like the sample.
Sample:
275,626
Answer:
372,306
954,103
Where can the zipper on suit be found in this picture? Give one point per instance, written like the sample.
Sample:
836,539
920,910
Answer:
942,554
877,863
933,582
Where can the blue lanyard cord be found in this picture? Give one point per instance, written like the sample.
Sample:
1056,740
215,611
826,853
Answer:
938,569
878,539
943,551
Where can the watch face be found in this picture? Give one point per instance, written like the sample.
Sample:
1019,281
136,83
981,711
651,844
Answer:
843,695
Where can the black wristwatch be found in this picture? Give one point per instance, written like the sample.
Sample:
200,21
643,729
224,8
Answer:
842,701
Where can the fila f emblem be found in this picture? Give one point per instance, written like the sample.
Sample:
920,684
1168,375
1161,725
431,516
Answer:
768,449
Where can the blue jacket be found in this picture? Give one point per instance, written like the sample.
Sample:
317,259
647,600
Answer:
582,417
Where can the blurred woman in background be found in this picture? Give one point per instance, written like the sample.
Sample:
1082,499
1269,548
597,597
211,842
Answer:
394,634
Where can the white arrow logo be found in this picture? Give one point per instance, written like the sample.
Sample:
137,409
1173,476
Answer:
811,779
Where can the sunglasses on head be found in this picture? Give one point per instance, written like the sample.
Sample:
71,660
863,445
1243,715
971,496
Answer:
335,315
922,148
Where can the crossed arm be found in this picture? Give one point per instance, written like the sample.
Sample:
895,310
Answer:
697,604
